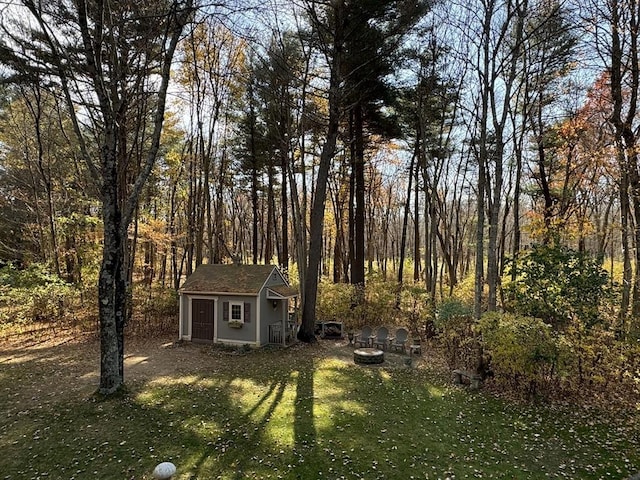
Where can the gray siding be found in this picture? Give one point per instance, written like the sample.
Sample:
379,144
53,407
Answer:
274,279
246,334
269,315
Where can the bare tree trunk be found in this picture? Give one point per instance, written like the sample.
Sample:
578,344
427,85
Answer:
35,109
499,106
218,240
306,332
625,301
340,261
416,227
254,186
357,266
482,157
271,217
386,233
284,200
624,93
405,218
111,291
479,272
352,198
299,230
117,217
515,247
191,210
432,239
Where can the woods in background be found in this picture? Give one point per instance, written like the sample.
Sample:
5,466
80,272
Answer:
344,141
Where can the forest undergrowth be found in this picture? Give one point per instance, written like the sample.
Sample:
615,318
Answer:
544,357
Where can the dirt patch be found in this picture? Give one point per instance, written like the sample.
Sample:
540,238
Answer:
69,367
148,358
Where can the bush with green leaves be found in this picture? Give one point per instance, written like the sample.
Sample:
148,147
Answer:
32,294
556,284
595,359
454,323
523,351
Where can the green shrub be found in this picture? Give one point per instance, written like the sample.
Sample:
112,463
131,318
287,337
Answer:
32,295
523,350
334,303
464,290
379,304
528,356
595,359
556,284
453,311
35,275
454,324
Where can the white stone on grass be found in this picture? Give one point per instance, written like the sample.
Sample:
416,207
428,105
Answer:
164,471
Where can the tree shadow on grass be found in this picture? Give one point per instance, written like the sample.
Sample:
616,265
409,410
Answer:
288,414
293,389
237,461
242,442
237,415
249,427
304,428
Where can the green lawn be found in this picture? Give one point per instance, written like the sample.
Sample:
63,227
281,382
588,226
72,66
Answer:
304,412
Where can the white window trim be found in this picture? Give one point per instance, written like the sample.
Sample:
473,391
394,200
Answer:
241,305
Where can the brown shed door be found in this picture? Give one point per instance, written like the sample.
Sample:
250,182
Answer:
202,320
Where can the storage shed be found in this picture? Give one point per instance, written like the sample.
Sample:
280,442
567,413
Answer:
237,305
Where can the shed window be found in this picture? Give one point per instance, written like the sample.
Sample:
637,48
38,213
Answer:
237,312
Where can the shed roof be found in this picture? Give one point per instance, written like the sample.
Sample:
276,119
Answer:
228,278
281,291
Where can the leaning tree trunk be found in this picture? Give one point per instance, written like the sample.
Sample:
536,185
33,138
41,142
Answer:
306,332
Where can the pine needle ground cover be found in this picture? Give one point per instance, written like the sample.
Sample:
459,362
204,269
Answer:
306,412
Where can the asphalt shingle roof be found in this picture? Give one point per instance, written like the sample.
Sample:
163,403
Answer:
284,291
228,278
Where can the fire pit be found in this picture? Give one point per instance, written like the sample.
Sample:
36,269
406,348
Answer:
368,356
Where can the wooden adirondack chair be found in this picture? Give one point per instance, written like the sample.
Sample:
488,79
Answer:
364,337
381,338
399,341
